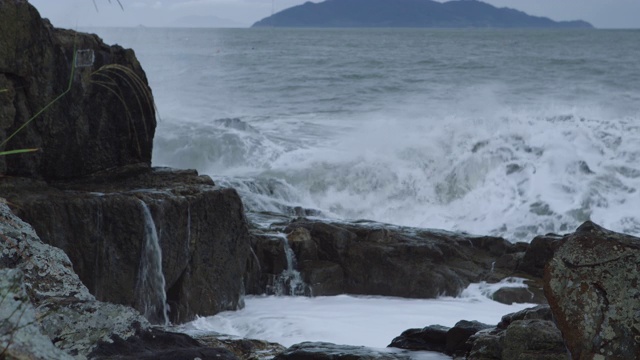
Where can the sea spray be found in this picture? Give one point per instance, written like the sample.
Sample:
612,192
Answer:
289,282
151,296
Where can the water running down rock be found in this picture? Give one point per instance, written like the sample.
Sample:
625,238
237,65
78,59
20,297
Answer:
150,291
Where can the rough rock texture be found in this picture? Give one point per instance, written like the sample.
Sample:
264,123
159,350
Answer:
65,310
99,222
158,345
519,295
451,341
107,118
48,306
430,338
244,349
328,351
592,284
538,253
458,335
533,340
378,259
525,335
20,333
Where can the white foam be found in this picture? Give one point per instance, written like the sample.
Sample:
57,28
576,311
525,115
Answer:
353,320
514,173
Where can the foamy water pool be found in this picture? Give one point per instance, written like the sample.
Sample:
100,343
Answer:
371,321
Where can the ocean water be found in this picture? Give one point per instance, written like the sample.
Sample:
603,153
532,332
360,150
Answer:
511,133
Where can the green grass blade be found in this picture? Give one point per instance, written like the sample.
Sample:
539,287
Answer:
19,151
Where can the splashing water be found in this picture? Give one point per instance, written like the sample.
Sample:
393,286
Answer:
289,282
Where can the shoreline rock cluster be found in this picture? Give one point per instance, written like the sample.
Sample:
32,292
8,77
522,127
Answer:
72,259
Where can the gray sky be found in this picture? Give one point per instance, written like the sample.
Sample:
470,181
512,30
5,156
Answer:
242,13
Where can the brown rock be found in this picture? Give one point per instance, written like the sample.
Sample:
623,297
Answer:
378,259
99,222
592,284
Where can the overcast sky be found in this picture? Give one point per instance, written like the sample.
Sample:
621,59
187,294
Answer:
242,13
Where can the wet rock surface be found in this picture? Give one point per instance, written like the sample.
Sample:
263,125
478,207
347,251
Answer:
244,349
328,351
99,222
526,335
592,287
158,345
379,259
430,338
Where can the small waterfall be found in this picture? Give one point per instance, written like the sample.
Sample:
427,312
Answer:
151,299
290,281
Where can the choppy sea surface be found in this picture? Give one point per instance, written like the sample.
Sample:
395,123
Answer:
512,133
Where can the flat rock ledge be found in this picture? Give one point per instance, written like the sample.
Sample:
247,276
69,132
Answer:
100,223
368,258
328,351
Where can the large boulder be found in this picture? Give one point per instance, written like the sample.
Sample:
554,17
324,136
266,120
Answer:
104,117
592,287
100,223
47,313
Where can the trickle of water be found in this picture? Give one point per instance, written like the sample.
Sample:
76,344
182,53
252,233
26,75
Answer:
151,296
290,281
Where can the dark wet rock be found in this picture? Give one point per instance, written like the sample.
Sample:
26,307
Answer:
539,252
328,351
592,284
378,259
244,349
452,341
155,344
267,262
540,312
528,334
323,277
458,335
302,244
532,340
107,118
518,295
99,222
430,338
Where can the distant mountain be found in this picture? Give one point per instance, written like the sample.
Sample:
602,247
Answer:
409,13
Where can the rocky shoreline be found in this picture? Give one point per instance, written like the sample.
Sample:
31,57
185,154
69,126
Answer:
88,229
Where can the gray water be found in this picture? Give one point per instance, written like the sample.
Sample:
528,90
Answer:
506,132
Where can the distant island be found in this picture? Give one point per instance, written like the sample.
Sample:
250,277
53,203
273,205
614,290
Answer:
409,13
